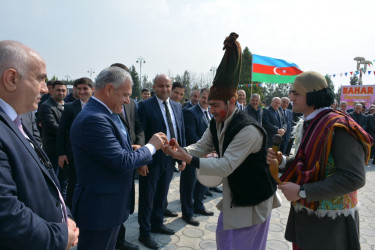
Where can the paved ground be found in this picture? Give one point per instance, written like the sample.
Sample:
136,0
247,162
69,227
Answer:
203,237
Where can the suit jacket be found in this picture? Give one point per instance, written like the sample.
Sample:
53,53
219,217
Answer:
256,114
187,105
133,124
50,116
289,122
153,122
29,122
105,163
71,110
361,119
271,124
137,135
30,212
195,124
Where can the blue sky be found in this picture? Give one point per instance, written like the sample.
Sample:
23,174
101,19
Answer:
173,36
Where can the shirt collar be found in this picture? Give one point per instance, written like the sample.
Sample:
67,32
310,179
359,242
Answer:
110,111
160,101
314,113
9,110
202,108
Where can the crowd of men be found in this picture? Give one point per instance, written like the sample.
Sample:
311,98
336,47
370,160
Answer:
83,150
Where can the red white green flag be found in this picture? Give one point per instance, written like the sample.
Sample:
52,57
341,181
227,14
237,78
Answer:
272,70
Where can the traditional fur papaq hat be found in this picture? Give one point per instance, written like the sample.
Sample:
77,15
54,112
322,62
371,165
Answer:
227,75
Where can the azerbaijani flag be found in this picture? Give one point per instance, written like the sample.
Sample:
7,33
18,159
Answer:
272,70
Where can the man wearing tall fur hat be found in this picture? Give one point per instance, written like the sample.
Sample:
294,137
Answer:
249,192
323,176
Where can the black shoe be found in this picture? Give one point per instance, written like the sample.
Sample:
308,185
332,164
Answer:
216,189
163,230
169,213
204,212
208,193
126,246
148,242
191,221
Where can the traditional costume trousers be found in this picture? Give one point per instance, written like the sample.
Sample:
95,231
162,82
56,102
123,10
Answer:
254,237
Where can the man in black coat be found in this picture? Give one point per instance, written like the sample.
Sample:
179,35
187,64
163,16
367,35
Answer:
84,87
358,116
253,108
50,115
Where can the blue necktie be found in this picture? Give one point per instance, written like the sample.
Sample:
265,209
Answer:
117,119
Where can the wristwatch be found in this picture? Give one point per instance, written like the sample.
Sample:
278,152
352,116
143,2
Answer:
302,192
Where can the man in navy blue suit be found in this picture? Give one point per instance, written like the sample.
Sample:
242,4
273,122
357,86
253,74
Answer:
273,121
105,161
158,113
32,212
288,116
196,120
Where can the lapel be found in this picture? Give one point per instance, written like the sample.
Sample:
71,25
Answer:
158,113
25,142
127,113
201,114
96,106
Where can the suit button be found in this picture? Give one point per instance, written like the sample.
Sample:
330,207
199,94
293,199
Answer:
58,203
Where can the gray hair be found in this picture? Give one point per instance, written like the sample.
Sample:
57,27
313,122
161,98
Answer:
14,55
255,95
112,75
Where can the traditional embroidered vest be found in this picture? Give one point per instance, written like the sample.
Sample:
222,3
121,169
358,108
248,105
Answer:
251,183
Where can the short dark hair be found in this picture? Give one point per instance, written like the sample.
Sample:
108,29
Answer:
145,90
57,83
83,80
120,65
177,85
49,83
204,89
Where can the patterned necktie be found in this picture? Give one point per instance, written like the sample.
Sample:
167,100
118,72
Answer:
169,120
207,117
18,123
117,119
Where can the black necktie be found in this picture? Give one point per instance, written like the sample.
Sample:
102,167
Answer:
169,120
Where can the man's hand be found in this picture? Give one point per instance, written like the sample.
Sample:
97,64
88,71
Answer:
73,233
135,147
271,155
143,170
158,140
182,166
281,131
62,160
290,191
177,153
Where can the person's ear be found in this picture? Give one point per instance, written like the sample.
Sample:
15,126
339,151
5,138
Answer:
10,79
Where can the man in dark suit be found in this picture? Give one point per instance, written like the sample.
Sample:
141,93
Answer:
84,87
288,116
130,119
50,114
196,121
358,116
32,212
273,121
158,113
193,99
253,108
105,161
